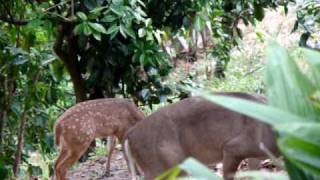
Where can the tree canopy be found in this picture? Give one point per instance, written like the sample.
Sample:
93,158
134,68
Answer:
105,48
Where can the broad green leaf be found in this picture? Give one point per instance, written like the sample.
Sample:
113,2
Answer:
169,174
142,59
306,131
260,175
86,29
109,18
198,170
113,34
19,60
79,29
296,173
313,58
98,27
98,10
258,11
117,11
141,3
288,88
82,16
148,22
198,23
122,31
301,153
97,36
141,32
259,111
129,31
114,28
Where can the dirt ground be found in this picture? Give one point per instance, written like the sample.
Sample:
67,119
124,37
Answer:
94,169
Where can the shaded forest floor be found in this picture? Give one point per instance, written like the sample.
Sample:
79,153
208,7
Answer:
94,169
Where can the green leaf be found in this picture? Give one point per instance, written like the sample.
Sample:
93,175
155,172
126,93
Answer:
141,32
169,174
122,31
97,36
261,175
82,16
305,131
108,18
198,23
117,11
259,111
258,11
313,59
113,35
79,29
198,170
19,60
148,22
97,10
114,28
142,59
129,31
301,153
141,3
98,27
86,29
288,88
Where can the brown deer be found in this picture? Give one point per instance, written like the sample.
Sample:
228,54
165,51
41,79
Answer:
82,123
201,129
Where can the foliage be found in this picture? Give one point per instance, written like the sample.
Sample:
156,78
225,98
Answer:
308,19
192,167
29,92
293,111
105,48
293,95
125,57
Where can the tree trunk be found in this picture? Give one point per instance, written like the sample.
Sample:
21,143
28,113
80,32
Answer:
20,143
2,122
69,57
8,89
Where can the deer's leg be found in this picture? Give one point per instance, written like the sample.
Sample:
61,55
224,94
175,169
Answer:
230,165
71,157
70,153
234,152
62,156
111,149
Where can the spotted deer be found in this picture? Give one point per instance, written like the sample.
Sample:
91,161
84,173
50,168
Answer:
81,124
195,127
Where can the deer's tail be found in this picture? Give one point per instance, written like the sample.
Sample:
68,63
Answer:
57,134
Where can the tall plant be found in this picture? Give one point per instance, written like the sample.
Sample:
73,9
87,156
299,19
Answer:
293,108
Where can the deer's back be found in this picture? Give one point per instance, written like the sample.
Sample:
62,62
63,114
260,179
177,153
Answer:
199,127
98,118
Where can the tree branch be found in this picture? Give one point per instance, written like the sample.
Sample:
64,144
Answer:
11,20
